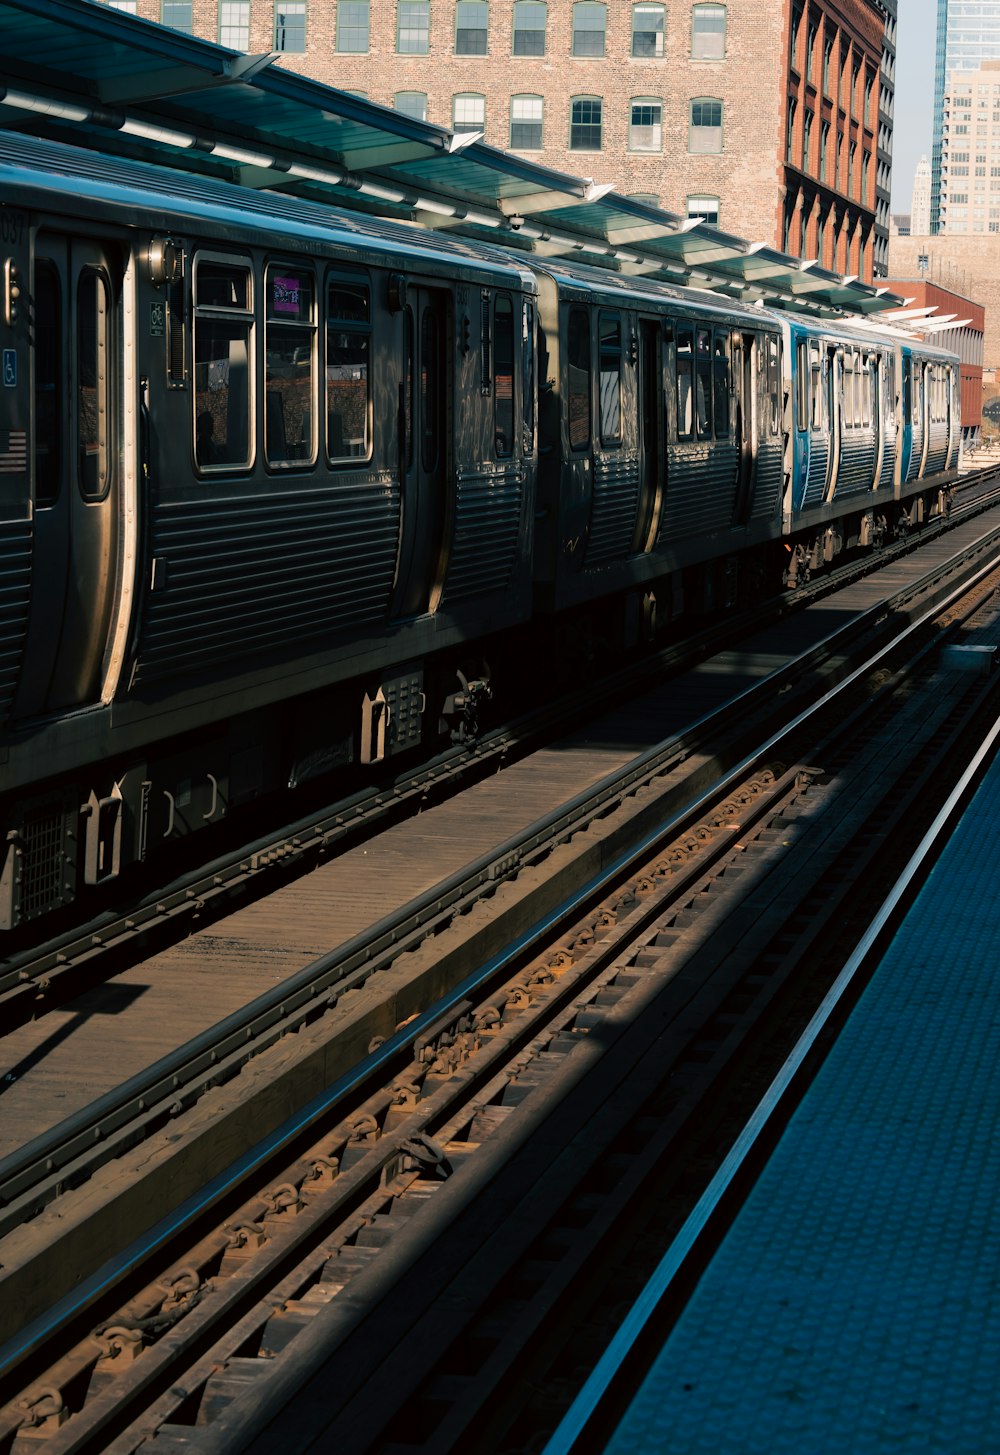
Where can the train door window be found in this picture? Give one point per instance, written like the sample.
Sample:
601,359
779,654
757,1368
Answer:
816,386
685,370
431,364
610,333
93,386
48,382
802,382
528,375
578,353
407,388
773,352
848,405
907,390
865,381
720,362
703,382
503,376
223,353
348,368
289,350
916,396
890,383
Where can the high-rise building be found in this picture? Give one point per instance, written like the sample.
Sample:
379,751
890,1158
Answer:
772,121
968,33
970,152
920,208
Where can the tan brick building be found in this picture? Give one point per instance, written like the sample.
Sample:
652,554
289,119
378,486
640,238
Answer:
967,266
773,120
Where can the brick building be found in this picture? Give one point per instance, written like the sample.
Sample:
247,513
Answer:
964,266
772,120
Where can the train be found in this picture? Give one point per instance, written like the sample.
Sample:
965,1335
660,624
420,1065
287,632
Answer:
287,491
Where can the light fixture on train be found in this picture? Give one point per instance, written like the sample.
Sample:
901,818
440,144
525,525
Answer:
165,261
397,292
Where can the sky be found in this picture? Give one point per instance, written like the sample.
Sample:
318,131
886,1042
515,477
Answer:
913,121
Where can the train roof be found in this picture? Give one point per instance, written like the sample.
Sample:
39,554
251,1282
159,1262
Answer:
142,194
577,279
865,333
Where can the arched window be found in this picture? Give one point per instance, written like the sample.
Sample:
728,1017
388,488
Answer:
708,32
586,122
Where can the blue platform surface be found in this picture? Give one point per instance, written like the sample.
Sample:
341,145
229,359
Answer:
854,1305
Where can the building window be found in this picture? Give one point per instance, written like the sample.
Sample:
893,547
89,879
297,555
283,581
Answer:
234,24
648,26
290,26
651,199
586,115
793,43
177,14
529,28
468,113
526,123
411,103
707,208
130,7
471,25
827,54
708,32
589,26
353,20
645,133
414,34
790,134
824,142
810,49
706,125
807,140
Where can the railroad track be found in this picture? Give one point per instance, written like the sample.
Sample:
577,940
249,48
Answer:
671,970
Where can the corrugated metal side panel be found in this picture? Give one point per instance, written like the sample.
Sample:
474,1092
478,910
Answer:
937,448
857,463
819,463
15,594
613,508
701,492
768,482
916,448
254,574
484,548
888,458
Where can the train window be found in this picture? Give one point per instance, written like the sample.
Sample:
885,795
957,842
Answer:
867,386
503,376
610,334
703,378
916,396
890,383
802,382
722,385
774,383
48,376
289,349
528,375
93,385
223,352
578,355
685,363
348,371
847,407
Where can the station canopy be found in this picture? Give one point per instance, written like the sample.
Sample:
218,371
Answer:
83,72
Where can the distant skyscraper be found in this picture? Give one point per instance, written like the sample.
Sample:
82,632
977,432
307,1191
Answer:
968,33
970,153
920,210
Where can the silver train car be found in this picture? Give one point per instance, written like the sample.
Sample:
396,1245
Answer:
277,483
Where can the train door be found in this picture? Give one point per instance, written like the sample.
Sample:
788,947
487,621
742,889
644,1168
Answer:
833,375
652,458
745,368
424,412
76,381
875,366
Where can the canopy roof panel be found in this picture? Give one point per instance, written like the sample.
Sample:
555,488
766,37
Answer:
125,86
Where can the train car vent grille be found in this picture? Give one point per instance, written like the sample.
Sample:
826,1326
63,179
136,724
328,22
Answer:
44,866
